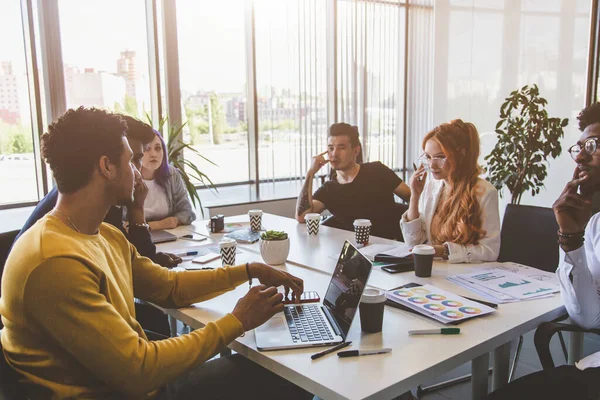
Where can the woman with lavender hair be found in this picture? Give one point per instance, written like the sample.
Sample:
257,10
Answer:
167,204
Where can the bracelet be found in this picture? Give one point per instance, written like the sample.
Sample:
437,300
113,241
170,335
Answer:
570,235
142,225
576,241
249,276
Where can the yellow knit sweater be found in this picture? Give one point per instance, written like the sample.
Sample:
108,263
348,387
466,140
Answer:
68,311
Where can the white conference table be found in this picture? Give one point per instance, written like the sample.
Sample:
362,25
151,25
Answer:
414,360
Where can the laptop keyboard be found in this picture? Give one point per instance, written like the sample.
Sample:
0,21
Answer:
307,324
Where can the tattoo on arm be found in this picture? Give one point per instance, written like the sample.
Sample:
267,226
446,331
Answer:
304,202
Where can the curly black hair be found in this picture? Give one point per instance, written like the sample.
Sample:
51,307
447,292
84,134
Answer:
138,130
589,116
76,141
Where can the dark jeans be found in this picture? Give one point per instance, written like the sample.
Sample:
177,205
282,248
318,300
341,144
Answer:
562,383
232,377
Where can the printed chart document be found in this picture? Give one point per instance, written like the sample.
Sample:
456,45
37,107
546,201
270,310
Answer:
508,283
441,305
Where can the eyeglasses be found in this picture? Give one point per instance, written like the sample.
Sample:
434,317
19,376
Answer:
432,162
589,146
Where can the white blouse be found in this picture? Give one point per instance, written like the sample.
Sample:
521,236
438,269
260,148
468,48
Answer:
417,231
156,205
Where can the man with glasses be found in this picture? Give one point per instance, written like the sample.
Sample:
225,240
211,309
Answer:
578,272
356,190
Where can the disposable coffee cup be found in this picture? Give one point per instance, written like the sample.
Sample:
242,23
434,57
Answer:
255,220
372,304
423,258
362,229
313,221
228,248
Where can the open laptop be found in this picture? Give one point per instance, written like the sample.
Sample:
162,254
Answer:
161,236
308,325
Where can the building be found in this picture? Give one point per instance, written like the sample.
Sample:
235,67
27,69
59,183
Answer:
10,110
126,69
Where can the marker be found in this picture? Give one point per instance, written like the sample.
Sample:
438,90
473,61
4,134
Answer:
330,350
441,331
355,353
187,253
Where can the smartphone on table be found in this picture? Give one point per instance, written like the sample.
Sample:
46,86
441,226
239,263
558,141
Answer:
193,236
306,297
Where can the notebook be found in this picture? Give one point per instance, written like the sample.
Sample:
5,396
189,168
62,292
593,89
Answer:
307,325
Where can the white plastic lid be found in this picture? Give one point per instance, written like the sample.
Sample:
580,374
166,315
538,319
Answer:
227,242
255,212
312,216
423,250
362,222
373,296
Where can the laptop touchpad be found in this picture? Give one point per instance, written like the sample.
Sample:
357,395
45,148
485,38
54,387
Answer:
275,324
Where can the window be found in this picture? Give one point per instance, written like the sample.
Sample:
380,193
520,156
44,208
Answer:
292,86
370,76
212,70
105,55
17,160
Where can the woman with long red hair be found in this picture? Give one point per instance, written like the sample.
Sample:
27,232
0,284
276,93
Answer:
451,207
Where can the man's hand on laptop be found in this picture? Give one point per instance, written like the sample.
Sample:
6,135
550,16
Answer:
256,307
270,276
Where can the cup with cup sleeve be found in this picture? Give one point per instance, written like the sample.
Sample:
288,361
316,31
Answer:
372,305
228,248
362,230
255,220
423,258
313,221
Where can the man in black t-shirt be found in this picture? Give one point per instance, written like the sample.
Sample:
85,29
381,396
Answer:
355,190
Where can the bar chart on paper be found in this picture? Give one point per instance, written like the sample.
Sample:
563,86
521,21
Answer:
503,285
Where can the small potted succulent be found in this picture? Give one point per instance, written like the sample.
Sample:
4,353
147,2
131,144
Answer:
274,247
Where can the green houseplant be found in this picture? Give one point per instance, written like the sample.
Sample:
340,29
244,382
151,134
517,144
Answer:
175,148
527,137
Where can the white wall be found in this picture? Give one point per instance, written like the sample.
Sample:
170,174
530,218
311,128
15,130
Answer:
483,50
284,207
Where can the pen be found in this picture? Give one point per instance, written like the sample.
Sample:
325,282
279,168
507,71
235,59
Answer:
442,331
330,350
187,253
354,353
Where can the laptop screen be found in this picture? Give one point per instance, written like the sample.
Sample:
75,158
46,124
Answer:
346,286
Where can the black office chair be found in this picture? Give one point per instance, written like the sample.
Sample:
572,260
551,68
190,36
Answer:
528,237
521,224
9,378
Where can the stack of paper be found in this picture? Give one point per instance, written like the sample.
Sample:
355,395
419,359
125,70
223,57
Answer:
508,283
441,305
395,250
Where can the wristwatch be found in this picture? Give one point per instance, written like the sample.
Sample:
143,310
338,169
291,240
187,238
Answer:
446,253
140,225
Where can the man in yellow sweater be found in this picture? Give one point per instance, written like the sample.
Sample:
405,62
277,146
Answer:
69,283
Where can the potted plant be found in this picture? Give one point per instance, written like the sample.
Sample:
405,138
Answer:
274,247
175,148
527,136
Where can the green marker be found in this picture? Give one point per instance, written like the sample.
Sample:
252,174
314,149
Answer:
441,331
